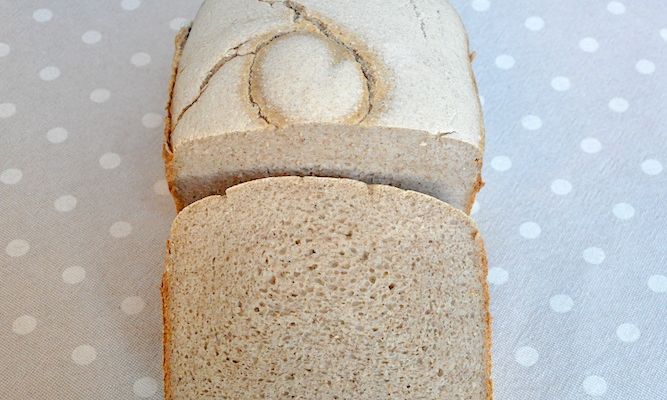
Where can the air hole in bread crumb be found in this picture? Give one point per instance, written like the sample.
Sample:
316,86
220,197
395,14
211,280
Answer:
391,286
272,280
372,279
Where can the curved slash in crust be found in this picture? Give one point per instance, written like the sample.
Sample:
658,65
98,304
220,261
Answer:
300,13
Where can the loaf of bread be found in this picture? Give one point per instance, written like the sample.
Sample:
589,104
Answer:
325,288
380,91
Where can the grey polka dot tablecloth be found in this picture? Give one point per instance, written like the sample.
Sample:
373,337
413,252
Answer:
574,210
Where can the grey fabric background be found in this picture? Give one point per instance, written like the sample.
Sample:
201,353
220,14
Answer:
573,212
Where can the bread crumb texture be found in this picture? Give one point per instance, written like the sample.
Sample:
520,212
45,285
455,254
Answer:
323,288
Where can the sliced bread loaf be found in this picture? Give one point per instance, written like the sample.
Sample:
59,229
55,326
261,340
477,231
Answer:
379,91
325,288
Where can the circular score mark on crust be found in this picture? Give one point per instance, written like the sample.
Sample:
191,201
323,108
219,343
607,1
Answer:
306,77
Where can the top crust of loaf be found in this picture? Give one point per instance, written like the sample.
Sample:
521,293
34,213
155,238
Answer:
401,64
321,287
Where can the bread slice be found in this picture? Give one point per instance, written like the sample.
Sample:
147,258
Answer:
379,91
325,288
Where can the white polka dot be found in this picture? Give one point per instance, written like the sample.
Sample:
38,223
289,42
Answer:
91,37
49,73
475,208
531,122
534,23
530,230
7,110
84,354
628,333
526,356
560,83
132,305
24,324
616,7
497,276
501,163
178,23
589,45
481,5
623,211
160,187
561,187
57,135
120,229
651,167
109,160
152,120
561,303
645,67
140,59
4,49
42,15
618,104
17,248
591,145
65,203
73,275
663,33
595,385
100,95
130,5
505,61
594,255
657,283
145,387
11,176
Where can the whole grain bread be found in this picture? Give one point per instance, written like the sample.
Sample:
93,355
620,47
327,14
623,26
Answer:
380,91
325,288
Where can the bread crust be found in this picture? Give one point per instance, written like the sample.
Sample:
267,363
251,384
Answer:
484,262
164,294
167,151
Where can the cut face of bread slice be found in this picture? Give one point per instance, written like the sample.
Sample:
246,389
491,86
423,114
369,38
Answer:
378,91
324,288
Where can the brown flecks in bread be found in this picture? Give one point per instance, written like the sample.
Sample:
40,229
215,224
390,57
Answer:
407,159
325,288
